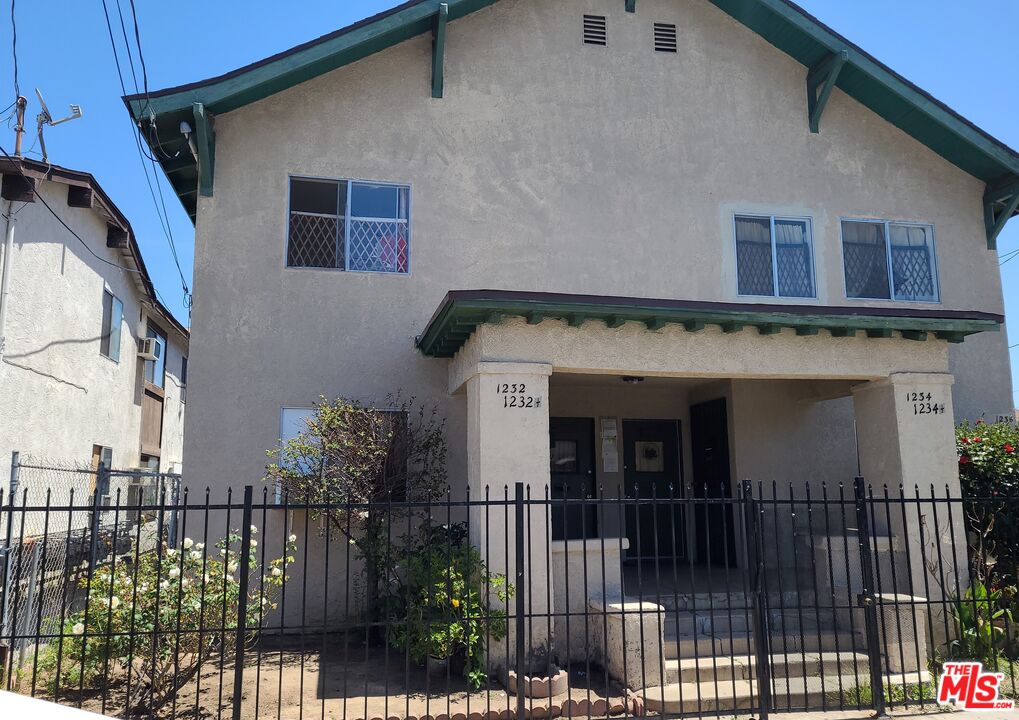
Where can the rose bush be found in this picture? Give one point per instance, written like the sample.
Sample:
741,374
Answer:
154,622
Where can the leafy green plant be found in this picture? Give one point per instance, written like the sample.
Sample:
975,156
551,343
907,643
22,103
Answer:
441,601
155,622
979,618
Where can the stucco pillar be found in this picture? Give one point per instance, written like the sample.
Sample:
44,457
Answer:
906,434
508,442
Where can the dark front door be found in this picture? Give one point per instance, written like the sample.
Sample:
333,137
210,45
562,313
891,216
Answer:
709,437
571,452
651,465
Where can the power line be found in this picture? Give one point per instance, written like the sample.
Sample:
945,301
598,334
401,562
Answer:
60,219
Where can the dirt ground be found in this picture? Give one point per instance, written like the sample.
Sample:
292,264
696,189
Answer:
343,685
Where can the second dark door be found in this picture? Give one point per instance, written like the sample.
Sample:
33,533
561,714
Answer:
651,471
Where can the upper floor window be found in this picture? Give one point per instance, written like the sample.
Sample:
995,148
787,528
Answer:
183,378
889,261
774,256
155,370
349,225
113,316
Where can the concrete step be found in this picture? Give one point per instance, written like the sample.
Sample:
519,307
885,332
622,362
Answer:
740,694
741,643
706,669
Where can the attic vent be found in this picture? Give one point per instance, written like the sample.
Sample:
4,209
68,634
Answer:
665,37
594,30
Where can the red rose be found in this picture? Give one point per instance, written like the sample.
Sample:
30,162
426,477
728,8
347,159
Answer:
980,422
964,441
976,439
1009,448
964,459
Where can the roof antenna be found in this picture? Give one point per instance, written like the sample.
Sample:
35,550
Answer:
44,118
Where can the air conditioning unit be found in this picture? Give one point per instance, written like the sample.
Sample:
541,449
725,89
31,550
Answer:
148,349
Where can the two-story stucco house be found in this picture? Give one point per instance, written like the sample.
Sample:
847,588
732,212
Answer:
586,228
77,300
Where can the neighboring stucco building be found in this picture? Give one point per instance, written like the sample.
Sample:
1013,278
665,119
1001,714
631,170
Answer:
73,389
602,220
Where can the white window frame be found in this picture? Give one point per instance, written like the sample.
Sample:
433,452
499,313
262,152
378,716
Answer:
935,274
346,222
774,254
114,353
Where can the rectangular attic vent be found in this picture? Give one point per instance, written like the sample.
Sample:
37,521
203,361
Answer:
665,37
594,30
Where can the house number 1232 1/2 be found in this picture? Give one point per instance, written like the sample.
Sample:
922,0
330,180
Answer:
514,395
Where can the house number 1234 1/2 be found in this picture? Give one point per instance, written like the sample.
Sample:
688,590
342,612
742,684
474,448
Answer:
514,395
924,403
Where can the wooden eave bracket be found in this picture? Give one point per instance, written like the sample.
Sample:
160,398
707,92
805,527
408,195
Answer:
820,82
205,139
1001,200
439,48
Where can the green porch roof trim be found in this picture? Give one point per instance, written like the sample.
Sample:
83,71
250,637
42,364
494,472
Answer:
461,311
780,22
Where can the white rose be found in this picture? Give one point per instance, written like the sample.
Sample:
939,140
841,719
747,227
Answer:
196,555
174,572
171,552
188,543
205,578
292,538
165,584
254,529
78,629
276,572
231,568
199,546
254,542
185,582
114,602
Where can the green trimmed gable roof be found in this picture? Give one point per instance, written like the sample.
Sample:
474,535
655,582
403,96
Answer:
462,311
780,22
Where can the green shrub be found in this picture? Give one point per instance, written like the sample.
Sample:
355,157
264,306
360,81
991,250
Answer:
441,600
161,618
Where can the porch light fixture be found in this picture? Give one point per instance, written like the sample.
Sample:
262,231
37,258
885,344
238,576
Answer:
632,379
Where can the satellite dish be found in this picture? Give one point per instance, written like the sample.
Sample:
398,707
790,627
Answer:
45,118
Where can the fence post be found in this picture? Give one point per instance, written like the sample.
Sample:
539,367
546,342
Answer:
175,499
102,473
519,588
755,564
5,589
242,602
867,599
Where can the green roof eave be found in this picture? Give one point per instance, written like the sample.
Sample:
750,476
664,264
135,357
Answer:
780,22
462,311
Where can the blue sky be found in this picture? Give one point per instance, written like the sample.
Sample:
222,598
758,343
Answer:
959,52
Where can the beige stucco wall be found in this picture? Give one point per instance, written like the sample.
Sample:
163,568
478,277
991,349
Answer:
548,165
58,395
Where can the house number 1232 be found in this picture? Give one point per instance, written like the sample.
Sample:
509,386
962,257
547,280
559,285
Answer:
514,395
924,403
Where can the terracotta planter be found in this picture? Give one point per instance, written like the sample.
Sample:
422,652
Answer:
538,687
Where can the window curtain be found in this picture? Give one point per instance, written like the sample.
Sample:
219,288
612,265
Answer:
866,260
792,251
753,256
912,262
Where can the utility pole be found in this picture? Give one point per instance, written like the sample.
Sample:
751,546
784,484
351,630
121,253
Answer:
19,128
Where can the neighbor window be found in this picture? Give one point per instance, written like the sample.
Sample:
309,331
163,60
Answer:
774,256
155,370
349,225
889,260
113,315
183,378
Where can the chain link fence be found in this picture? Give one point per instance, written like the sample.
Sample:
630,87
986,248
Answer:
46,556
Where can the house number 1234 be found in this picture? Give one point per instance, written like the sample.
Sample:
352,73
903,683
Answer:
514,395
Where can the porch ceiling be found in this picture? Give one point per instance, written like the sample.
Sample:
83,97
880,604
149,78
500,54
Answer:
461,311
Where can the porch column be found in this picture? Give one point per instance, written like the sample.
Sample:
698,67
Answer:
906,434
507,442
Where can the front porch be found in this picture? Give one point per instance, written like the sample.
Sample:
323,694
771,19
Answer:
646,428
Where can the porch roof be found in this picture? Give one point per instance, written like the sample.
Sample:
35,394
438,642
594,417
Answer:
461,311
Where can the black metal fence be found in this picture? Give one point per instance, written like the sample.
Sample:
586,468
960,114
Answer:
689,603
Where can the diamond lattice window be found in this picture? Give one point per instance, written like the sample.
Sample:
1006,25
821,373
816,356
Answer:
774,256
889,261
348,225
